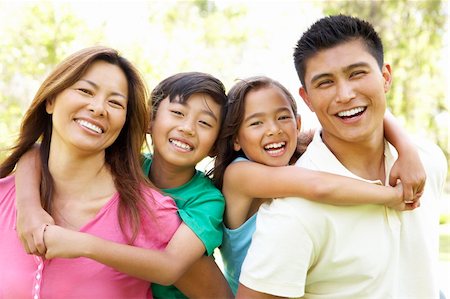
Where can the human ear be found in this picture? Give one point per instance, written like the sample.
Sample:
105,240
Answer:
387,76
304,94
236,145
298,120
50,105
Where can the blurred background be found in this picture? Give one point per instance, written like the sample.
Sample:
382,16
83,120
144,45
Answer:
231,40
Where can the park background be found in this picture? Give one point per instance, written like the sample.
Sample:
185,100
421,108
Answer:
231,40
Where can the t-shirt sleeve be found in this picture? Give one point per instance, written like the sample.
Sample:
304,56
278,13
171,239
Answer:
204,217
277,262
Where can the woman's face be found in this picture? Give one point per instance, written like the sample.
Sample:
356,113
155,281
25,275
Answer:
89,115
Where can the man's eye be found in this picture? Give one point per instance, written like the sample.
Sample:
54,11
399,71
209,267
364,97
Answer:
324,83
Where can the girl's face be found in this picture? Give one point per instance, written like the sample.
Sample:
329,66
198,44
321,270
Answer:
268,133
89,115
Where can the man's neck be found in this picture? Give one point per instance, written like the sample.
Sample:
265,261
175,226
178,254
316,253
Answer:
364,159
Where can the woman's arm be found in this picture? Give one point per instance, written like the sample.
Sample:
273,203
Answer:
205,280
163,267
408,167
31,217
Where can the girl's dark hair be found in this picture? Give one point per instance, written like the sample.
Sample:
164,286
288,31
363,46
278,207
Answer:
235,112
123,156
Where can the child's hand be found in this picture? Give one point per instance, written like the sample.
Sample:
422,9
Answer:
399,203
29,228
62,242
412,175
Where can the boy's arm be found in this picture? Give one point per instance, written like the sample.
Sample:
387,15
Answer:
205,280
163,267
408,167
31,217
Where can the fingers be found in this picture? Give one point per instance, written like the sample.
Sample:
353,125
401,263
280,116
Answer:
39,240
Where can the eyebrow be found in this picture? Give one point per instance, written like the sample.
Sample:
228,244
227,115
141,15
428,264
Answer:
259,114
345,69
96,86
204,111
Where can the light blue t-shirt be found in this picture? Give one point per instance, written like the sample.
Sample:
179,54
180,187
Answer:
235,244
234,248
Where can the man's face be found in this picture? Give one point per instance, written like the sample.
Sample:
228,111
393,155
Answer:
346,89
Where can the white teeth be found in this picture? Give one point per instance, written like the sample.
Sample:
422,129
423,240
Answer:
90,126
275,145
181,144
351,112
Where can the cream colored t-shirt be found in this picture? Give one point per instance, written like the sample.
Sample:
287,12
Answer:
304,248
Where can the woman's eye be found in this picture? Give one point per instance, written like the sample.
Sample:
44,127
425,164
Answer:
115,103
86,91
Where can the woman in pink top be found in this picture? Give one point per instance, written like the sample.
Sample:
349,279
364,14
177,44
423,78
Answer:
90,117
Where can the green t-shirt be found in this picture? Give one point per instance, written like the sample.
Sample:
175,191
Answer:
201,206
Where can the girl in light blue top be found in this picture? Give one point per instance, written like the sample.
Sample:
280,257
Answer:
262,126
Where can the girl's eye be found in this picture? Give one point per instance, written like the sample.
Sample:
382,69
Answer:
205,123
282,117
255,123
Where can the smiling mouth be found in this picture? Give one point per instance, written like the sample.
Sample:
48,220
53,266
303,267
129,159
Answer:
275,148
352,112
89,126
181,145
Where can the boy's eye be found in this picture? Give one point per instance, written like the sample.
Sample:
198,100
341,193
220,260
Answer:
176,112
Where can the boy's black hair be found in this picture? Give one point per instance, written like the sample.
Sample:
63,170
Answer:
331,31
181,86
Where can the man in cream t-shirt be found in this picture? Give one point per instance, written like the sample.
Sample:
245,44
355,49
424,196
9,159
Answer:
307,249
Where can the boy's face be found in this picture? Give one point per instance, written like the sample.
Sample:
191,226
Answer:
346,89
184,134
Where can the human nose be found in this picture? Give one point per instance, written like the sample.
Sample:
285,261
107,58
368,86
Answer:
97,106
187,127
273,129
344,92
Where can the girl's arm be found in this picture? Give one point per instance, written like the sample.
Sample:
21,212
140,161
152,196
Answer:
205,280
31,217
163,267
408,167
310,184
